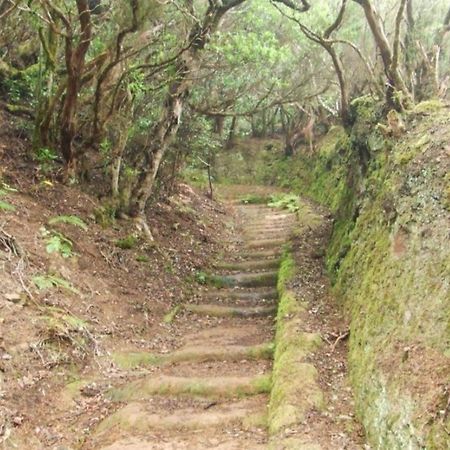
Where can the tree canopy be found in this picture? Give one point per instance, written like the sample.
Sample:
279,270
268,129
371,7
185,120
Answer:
127,90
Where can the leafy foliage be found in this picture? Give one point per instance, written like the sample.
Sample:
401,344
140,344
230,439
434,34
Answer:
57,242
5,206
43,282
253,199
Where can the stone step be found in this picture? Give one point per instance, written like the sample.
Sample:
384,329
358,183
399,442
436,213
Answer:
223,440
201,425
141,416
272,215
279,237
267,218
194,353
265,243
238,295
231,311
285,231
267,253
250,265
217,387
253,279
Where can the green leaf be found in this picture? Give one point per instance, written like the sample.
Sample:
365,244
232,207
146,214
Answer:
57,242
43,282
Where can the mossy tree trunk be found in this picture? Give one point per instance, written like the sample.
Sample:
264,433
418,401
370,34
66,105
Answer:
167,126
75,60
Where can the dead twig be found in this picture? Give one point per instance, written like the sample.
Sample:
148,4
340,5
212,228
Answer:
9,244
340,338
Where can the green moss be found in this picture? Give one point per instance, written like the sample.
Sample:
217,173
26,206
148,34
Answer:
294,389
428,107
264,351
285,272
5,206
132,360
389,269
262,384
127,242
170,316
105,215
196,387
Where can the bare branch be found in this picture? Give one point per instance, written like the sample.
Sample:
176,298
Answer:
337,23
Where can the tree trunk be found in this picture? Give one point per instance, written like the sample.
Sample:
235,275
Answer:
339,69
160,138
75,60
231,133
395,80
254,126
169,122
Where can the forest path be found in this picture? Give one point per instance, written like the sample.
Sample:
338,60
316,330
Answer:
213,391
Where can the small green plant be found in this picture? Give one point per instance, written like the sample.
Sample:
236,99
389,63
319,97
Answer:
43,282
46,158
170,316
5,206
291,202
5,190
57,242
105,215
201,277
60,331
127,242
60,244
216,281
72,220
142,258
105,149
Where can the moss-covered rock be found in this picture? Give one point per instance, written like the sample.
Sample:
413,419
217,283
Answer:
295,390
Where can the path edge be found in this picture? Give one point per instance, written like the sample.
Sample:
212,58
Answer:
295,389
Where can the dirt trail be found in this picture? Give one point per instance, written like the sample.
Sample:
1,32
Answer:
213,391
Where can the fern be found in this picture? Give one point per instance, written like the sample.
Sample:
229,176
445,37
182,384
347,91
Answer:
59,243
72,220
5,189
291,202
43,282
